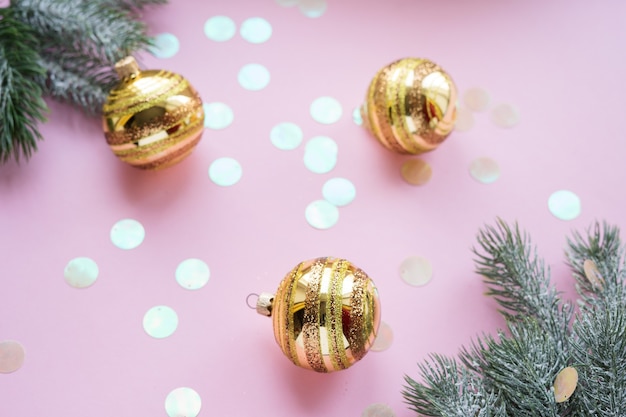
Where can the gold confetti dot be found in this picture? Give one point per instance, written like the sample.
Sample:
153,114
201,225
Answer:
464,120
565,384
592,274
476,99
416,171
505,115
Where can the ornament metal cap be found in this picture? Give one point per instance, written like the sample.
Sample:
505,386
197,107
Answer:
127,68
325,314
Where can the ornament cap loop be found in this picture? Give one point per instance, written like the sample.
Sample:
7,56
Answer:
264,304
127,68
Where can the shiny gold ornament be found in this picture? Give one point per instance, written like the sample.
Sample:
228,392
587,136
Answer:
152,119
325,314
410,106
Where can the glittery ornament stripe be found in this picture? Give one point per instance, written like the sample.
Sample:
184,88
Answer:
334,315
311,328
405,136
290,340
355,333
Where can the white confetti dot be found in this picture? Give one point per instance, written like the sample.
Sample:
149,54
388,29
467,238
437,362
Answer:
192,274
484,170
287,3
254,77
81,272
476,99
160,322
416,271
356,116
225,172
183,402
166,45
286,136
312,8
11,356
339,191
127,234
320,155
217,115
505,115
326,110
464,119
378,410
564,205
256,30
384,338
220,28
321,214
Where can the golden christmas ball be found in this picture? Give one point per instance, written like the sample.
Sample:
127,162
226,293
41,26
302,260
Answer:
152,119
325,314
410,106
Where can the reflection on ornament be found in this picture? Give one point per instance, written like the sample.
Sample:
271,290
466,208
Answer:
410,106
152,119
325,314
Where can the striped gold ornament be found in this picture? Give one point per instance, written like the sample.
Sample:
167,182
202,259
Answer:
325,314
410,106
152,119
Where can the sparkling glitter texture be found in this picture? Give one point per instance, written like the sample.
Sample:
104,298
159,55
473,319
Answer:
160,322
127,234
11,356
410,106
225,172
183,402
325,314
152,119
564,205
416,271
256,30
81,272
220,28
192,274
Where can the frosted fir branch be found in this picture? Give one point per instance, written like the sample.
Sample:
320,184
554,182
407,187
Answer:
131,5
604,248
518,280
90,26
449,390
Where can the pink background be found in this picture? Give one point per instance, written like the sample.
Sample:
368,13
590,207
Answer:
561,63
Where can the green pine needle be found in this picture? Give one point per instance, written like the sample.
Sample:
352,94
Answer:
21,106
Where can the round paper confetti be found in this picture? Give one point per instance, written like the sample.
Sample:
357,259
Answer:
160,322
356,116
592,274
320,155
464,120
127,234
220,28
11,356
312,8
326,110
564,204
505,115
81,272
217,115
378,410
384,339
254,77
287,3
256,30
286,136
339,191
565,384
166,45
192,274
225,172
183,402
484,170
476,99
416,171
321,214
416,271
